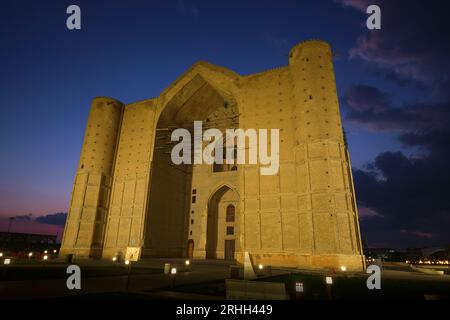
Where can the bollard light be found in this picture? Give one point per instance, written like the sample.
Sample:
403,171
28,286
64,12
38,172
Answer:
329,280
7,261
127,262
173,271
299,287
260,266
343,268
45,257
187,262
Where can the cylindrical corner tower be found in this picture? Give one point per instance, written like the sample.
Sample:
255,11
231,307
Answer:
328,223
86,221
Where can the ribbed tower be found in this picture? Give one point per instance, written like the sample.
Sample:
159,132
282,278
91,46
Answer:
329,228
85,225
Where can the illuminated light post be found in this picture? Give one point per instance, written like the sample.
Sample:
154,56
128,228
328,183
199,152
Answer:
260,266
6,262
343,268
128,265
299,290
188,265
54,251
329,282
30,255
114,259
173,274
1,254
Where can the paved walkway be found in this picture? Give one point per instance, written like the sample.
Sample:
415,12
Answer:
202,271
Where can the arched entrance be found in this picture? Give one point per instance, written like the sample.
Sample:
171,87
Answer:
222,226
172,195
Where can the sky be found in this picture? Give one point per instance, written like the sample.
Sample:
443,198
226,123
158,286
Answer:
393,87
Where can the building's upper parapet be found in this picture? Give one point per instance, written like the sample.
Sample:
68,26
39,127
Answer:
309,47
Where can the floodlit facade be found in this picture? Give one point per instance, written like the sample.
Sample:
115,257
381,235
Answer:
130,199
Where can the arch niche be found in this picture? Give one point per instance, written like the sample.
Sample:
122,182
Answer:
201,94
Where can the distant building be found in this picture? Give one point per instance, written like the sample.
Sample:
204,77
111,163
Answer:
16,242
387,254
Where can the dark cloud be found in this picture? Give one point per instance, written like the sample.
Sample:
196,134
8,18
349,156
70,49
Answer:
24,217
404,200
371,109
58,219
413,43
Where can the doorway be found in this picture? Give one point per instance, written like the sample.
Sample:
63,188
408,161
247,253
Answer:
229,249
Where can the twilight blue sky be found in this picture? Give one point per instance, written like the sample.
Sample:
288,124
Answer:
132,50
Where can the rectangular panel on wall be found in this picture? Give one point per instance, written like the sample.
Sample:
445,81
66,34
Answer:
140,191
302,178
271,230
304,203
289,203
340,202
305,233
251,205
269,184
70,233
251,180
345,239
88,214
322,202
92,195
318,172
287,178
290,231
85,235
324,233
128,193
124,232
135,235
337,174
117,193
252,227
334,149
270,203
113,228
317,150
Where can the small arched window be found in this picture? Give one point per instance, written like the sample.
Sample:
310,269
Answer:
230,213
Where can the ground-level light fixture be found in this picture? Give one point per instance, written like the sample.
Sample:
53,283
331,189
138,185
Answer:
45,257
127,262
329,280
187,262
7,261
173,271
260,266
343,268
299,287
